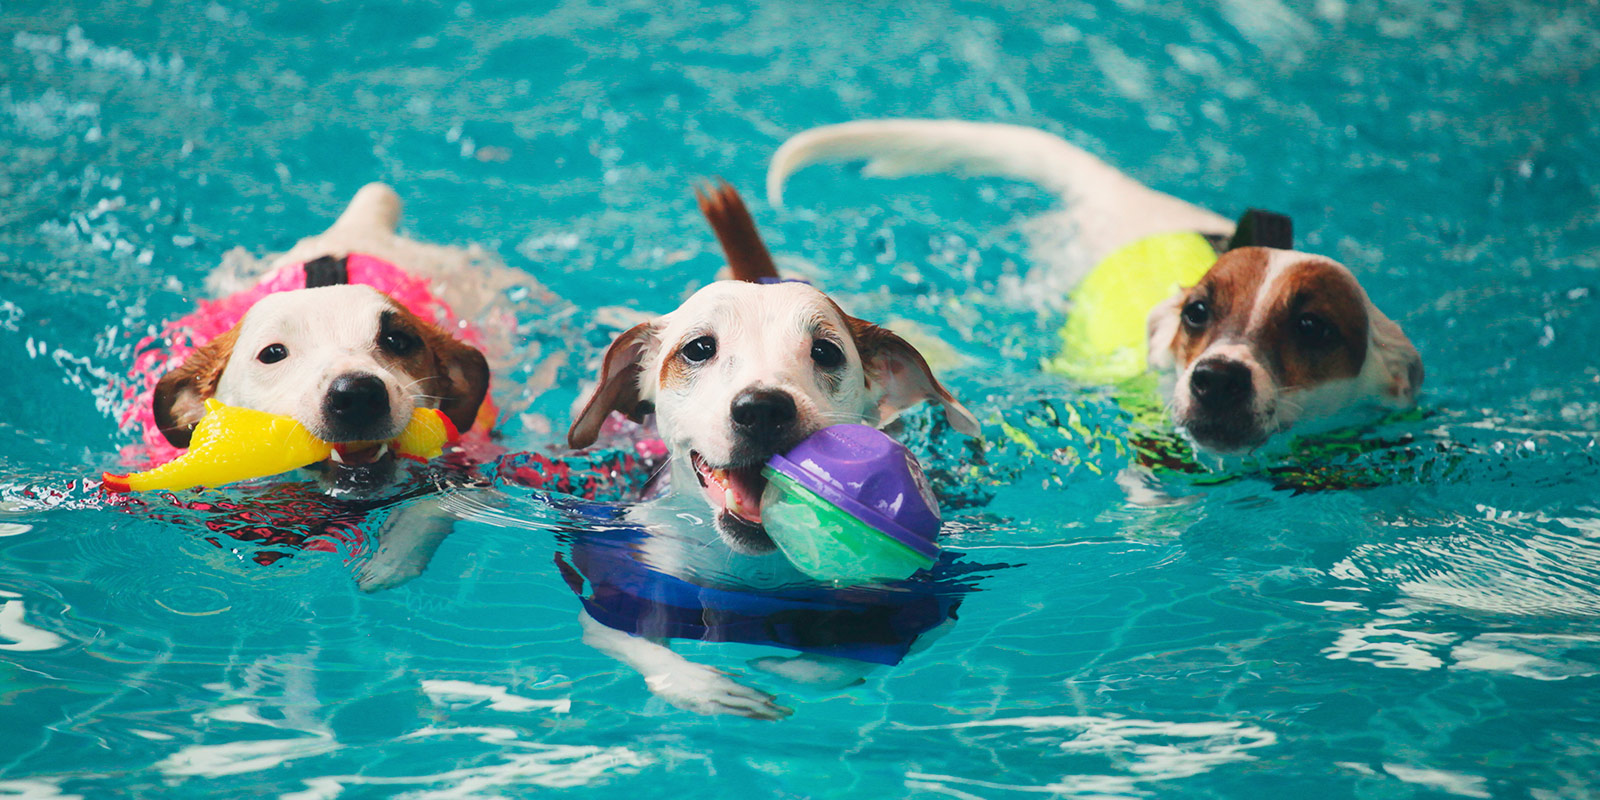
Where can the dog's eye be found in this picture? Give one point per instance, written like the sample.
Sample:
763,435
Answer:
272,354
701,349
828,355
1196,314
398,342
1314,330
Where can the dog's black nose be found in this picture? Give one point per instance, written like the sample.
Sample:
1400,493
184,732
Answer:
1220,384
763,414
356,399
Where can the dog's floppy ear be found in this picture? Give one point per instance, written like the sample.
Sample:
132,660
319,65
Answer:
452,371
748,258
1161,330
620,387
1398,358
180,396
464,372
903,375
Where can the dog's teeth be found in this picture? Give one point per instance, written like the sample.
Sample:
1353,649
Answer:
337,459
383,450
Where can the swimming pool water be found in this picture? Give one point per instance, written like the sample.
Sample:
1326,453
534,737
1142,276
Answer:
1433,633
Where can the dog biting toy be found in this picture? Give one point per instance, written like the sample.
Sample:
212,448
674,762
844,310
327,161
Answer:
162,351
234,444
851,505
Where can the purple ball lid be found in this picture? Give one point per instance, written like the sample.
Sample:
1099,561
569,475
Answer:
871,477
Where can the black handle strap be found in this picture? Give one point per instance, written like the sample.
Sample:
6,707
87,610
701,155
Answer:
1259,228
327,271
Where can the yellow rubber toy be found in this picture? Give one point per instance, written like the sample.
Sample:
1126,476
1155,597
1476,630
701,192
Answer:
234,444
1103,340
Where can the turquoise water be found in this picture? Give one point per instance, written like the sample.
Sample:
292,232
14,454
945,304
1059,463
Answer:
1434,634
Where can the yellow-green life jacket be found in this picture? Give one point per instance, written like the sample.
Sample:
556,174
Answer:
1103,339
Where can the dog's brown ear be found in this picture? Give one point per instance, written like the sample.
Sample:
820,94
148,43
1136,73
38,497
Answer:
1402,365
748,259
620,387
464,373
450,371
180,396
904,376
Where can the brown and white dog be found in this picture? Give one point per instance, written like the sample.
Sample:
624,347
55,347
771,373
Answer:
1268,339
742,370
746,368
347,361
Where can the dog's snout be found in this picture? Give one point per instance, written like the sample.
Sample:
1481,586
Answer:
1220,384
356,399
763,413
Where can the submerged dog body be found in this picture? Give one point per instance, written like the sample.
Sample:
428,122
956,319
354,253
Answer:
1267,339
739,372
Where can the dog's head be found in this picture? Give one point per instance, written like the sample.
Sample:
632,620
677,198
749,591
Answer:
347,362
742,371
1269,338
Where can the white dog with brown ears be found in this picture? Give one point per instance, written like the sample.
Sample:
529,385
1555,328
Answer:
326,343
747,368
1267,339
744,369
344,359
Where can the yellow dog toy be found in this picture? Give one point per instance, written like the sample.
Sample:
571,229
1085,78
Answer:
234,444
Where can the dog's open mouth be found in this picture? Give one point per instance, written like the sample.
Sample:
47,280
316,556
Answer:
359,454
359,467
735,490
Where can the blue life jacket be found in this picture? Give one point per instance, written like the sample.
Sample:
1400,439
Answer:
876,624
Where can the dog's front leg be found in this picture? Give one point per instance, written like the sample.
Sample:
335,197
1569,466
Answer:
406,544
679,681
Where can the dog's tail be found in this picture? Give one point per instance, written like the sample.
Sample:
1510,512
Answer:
748,259
1100,196
374,206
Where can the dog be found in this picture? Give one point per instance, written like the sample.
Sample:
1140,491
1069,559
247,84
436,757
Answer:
344,359
333,335
1268,339
744,369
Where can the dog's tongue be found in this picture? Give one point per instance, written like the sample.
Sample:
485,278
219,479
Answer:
738,491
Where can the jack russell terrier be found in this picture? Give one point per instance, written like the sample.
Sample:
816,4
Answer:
1265,339
340,336
747,368
743,370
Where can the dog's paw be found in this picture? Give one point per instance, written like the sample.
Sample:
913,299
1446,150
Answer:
704,690
382,573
